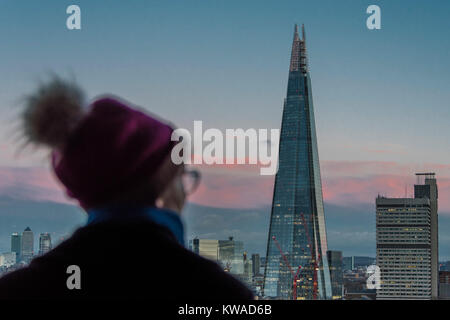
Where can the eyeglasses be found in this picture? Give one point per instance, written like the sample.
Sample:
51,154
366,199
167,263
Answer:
190,179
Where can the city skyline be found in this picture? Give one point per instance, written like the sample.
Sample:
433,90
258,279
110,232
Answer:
366,89
373,109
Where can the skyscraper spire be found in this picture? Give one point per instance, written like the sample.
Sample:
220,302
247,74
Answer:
303,34
296,36
298,55
303,56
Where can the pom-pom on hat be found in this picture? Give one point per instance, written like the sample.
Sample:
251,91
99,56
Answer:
104,153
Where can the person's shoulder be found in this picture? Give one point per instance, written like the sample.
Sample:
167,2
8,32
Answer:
23,283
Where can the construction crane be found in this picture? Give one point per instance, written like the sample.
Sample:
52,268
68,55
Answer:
315,264
294,276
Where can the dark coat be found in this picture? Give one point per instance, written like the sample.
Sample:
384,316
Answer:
136,259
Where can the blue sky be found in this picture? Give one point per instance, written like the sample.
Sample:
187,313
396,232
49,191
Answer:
225,62
381,97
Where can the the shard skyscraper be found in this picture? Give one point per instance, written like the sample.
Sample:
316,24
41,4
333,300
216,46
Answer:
296,261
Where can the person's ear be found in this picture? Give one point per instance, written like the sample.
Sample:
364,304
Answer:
159,203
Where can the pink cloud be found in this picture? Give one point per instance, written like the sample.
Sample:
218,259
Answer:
241,186
31,183
344,183
231,190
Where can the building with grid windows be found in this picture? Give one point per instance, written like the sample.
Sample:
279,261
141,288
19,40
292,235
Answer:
231,255
27,248
16,245
45,243
406,233
207,248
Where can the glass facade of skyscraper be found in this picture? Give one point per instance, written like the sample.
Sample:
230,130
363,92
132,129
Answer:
27,245
45,243
16,245
207,248
336,273
231,255
297,266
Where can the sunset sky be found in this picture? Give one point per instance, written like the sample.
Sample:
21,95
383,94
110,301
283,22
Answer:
381,97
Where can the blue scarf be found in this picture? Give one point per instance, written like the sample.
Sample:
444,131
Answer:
162,217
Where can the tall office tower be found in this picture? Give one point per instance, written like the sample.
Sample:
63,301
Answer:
231,255
297,236
263,263
348,263
207,248
248,269
16,245
335,264
45,243
405,235
27,245
426,187
256,264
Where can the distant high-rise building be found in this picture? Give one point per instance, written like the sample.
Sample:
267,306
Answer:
248,270
258,282
27,245
256,263
16,245
231,255
297,235
426,187
405,249
357,262
45,243
228,253
263,264
348,263
336,273
207,248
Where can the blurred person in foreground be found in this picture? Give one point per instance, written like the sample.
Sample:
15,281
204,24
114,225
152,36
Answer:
116,162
